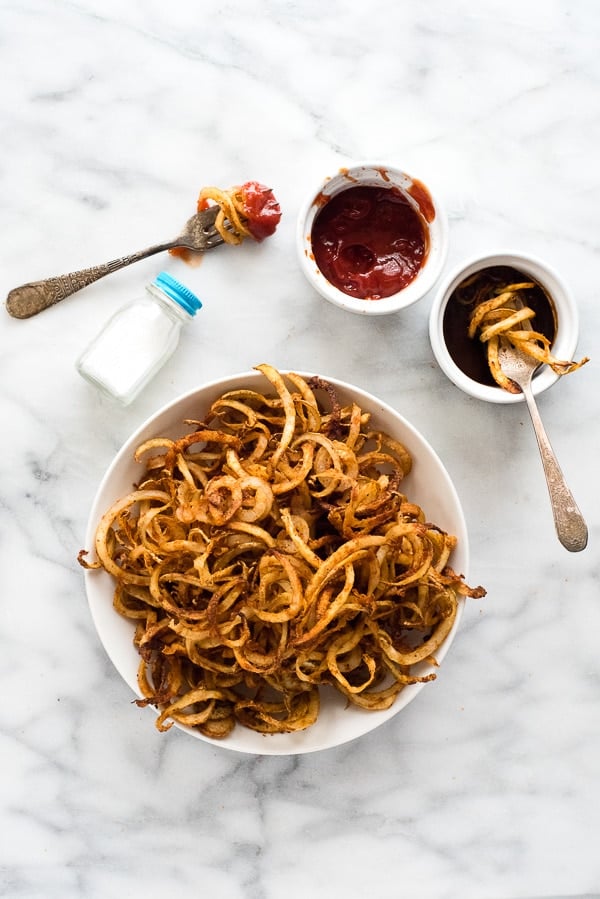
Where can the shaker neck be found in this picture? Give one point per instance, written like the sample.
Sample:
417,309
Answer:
171,307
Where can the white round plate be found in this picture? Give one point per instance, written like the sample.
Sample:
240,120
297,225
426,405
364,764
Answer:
428,484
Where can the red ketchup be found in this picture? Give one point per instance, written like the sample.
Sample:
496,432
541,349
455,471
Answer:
369,242
261,209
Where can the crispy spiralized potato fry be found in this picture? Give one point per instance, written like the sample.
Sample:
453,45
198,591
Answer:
230,221
271,552
502,314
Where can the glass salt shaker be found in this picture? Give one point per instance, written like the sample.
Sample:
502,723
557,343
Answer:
139,338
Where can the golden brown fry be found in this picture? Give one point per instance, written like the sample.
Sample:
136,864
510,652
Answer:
269,553
230,221
497,318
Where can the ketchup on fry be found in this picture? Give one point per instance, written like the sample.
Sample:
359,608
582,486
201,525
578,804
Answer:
261,209
253,204
369,242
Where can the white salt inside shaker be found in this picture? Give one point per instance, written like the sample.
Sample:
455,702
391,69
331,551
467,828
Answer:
139,338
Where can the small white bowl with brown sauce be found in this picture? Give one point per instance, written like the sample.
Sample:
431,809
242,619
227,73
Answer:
372,239
462,358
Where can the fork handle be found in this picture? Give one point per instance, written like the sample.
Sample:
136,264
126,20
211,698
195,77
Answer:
29,299
569,523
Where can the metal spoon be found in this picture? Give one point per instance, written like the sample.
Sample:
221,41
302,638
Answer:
199,233
568,520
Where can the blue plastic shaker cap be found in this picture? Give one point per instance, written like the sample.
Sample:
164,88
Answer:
178,292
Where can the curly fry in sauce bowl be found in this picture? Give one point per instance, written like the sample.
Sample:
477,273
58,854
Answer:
271,552
502,313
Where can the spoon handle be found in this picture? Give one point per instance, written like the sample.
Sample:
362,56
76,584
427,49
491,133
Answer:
29,299
570,526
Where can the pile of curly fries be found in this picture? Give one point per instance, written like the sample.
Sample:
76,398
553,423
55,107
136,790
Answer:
271,552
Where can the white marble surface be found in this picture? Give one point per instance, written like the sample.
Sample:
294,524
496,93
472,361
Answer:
112,117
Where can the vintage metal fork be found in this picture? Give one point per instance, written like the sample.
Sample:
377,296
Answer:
199,233
568,520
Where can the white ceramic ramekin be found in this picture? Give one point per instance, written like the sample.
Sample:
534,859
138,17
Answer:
567,322
421,199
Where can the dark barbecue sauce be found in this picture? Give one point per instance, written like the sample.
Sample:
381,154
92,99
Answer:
469,354
369,242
